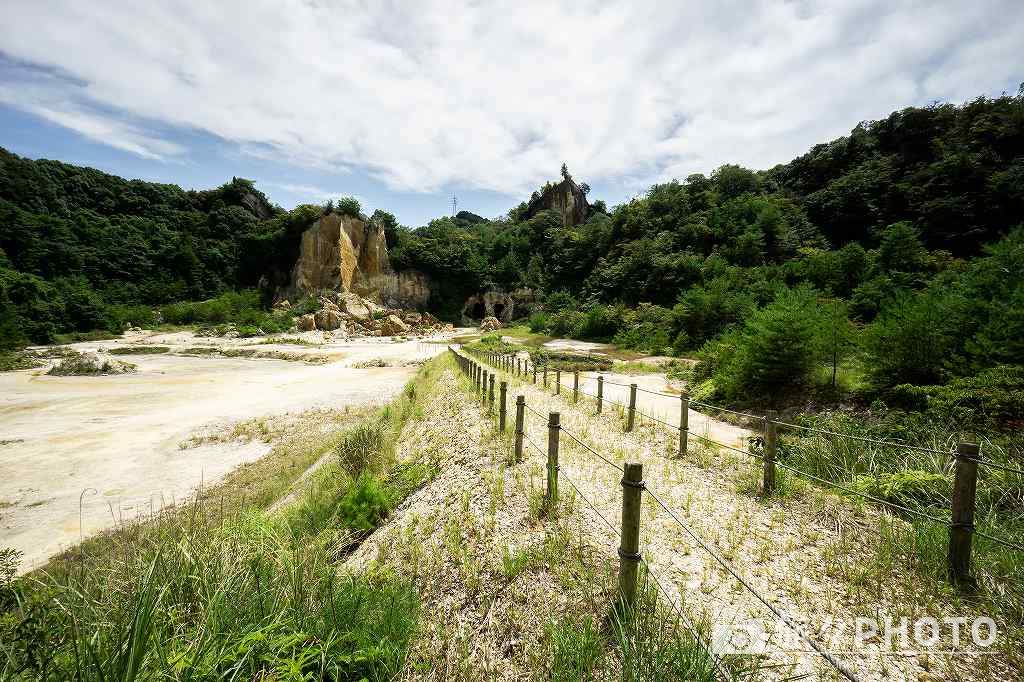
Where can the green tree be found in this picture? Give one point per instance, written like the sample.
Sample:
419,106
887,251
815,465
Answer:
349,206
779,346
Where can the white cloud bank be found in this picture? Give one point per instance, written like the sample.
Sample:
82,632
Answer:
496,95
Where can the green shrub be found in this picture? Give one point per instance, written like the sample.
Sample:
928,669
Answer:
539,323
567,361
598,322
993,396
647,328
908,488
365,504
780,342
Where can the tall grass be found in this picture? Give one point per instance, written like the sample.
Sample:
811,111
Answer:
922,482
209,593
650,642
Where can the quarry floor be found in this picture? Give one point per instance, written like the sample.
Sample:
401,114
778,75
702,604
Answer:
81,454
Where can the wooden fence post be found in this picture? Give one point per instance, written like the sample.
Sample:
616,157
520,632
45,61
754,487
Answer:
558,381
520,422
554,427
684,421
575,386
770,448
502,406
545,376
490,395
631,413
961,530
629,547
600,393
483,387
535,374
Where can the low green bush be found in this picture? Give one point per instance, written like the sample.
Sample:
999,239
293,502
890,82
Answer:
539,323
646,328
911,487
993,396
365,504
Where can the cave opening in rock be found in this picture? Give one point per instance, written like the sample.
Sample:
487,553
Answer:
478,312
499,308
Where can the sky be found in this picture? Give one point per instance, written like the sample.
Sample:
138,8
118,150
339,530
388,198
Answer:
405,104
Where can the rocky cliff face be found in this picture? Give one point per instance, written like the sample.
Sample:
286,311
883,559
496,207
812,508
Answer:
500,305
566,198
346,254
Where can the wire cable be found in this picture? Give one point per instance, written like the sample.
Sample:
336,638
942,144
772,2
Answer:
723,445
782,616
715,659
595,452
865,439
530,441
995,465
575,487
1001,541
527,406
663,395
726,409
660,421
879,500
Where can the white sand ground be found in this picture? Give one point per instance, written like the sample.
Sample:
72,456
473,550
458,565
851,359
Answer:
113,441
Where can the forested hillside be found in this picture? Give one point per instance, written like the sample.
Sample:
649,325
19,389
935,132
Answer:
79,248
887,257
894,253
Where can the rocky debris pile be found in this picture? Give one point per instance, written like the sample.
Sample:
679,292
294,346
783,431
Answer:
352,315
89,364
490,324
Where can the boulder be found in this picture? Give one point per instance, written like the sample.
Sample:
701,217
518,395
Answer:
283,305
393,326
490,324
328,318
413,318
306,323
353,306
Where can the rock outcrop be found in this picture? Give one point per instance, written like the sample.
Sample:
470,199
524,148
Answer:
405,289
566,197
346,254
499,304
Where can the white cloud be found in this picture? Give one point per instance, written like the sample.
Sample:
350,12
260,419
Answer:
50,104
496,95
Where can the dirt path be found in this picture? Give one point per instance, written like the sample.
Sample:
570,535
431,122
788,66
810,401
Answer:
805,553
491,576
115,442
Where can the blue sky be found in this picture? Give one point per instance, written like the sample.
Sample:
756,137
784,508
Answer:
403,108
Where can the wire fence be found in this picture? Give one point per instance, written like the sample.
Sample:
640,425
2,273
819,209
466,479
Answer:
960,521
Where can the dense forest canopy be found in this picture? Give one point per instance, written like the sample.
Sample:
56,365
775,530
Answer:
905,231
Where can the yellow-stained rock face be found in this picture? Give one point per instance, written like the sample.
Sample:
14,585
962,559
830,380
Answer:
319,263
345,254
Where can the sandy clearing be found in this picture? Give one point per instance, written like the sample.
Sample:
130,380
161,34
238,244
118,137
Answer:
650,402
120,435
579,346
